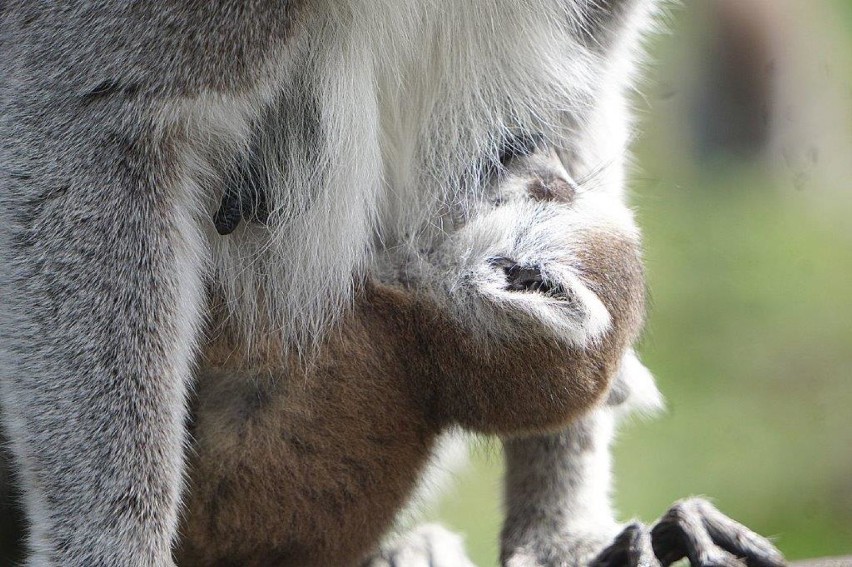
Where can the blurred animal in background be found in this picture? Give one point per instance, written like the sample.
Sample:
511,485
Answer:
768,85
737,89
349,227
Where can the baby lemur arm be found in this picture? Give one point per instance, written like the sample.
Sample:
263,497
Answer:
531,381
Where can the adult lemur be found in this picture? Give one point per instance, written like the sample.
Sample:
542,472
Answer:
365,135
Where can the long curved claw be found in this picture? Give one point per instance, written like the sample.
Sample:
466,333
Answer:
695,529
632,548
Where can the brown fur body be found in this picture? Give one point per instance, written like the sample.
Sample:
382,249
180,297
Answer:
308,464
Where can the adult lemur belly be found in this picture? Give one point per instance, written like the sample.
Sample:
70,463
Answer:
383,137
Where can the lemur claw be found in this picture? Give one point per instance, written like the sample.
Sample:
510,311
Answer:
695,529
692,529
631,548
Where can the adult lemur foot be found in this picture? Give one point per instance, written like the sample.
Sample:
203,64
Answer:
427,546
692,529
695,529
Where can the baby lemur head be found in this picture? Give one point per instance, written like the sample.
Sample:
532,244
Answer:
538,255
534,297
517,319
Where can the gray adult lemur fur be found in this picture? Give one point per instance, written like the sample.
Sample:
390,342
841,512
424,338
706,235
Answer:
368,124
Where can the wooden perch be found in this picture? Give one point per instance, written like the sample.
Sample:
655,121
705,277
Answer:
825,562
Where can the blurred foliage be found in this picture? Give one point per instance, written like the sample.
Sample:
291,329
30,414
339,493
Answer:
749,335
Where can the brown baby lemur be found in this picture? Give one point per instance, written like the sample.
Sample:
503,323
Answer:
516,325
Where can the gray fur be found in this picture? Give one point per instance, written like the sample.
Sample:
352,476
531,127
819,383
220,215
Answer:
558,511
102,259
119,123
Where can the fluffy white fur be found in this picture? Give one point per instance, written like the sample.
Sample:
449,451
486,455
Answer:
414,95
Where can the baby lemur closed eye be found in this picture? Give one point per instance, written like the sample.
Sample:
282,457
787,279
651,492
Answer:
515,323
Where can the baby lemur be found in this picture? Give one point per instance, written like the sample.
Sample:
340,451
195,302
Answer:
382,279
310,464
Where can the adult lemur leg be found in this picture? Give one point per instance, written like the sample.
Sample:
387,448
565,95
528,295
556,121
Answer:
695,529
559,514
116,120
101,284
557,489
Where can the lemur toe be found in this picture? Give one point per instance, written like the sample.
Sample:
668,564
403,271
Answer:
695,529
631,548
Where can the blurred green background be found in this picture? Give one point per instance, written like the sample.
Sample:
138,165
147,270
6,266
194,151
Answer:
749,256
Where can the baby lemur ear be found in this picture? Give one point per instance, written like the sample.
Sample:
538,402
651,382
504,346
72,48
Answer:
603,22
